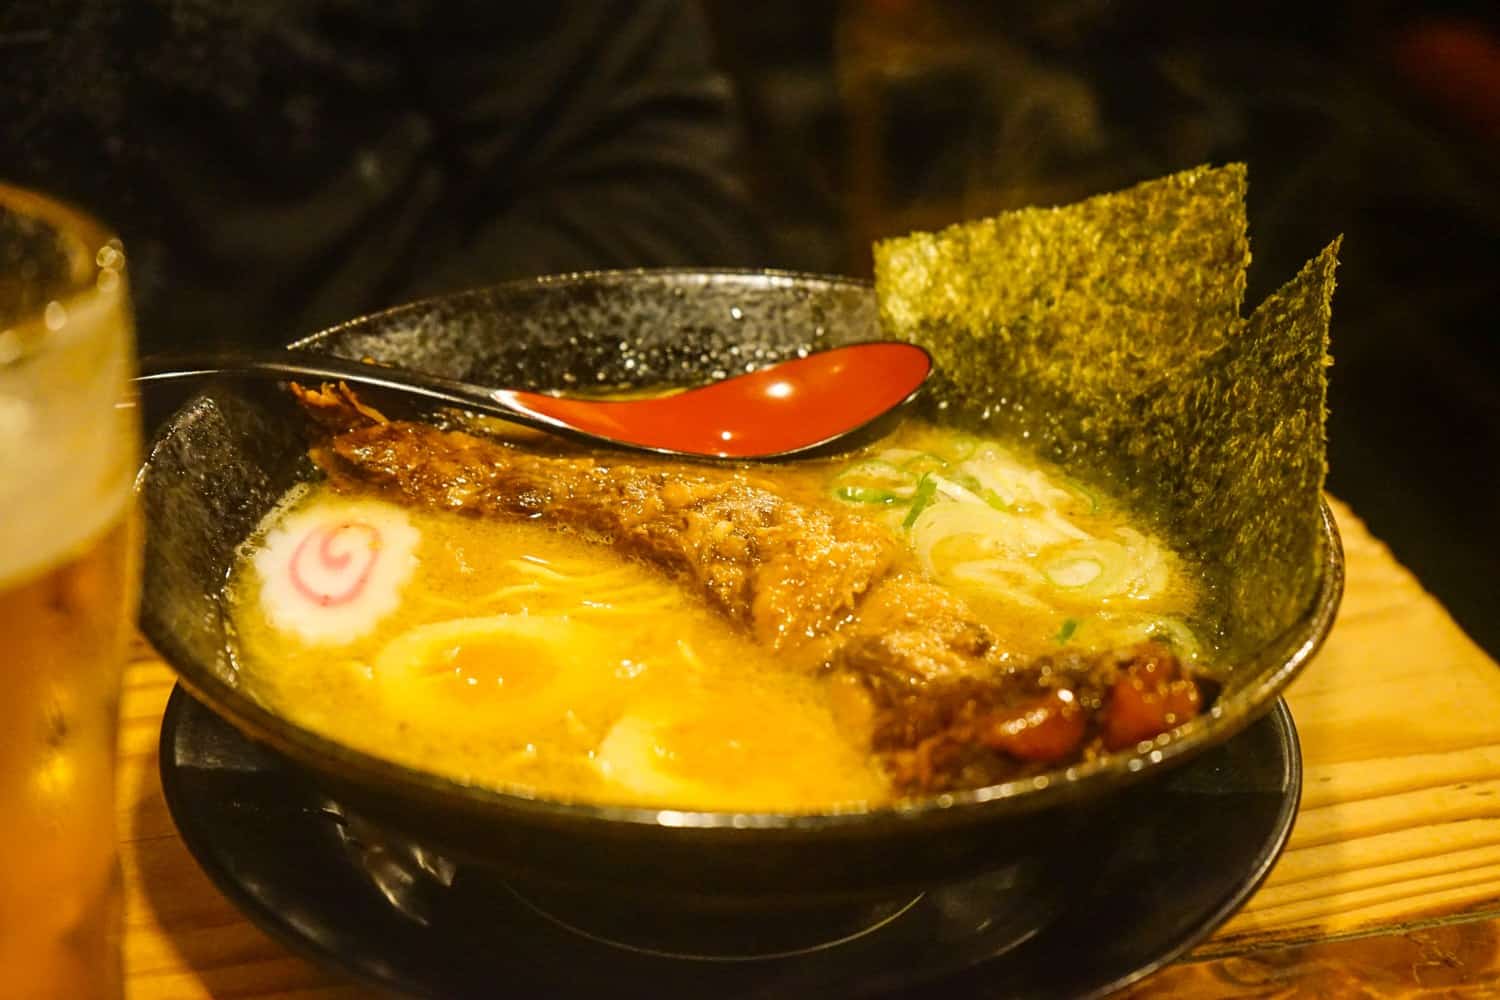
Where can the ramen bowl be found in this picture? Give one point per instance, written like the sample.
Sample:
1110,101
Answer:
225,458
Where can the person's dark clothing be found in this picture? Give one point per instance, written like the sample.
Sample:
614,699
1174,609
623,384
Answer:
277,166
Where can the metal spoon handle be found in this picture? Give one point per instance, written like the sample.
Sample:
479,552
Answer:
280,365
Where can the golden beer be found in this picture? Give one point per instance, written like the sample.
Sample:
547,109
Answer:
68,452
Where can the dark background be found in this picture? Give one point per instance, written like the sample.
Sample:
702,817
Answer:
1377,120
279,166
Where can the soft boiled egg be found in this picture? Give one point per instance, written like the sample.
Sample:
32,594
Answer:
517,670
759,749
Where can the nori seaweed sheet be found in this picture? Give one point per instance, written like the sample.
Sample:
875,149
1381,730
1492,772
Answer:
1080,303
1108,335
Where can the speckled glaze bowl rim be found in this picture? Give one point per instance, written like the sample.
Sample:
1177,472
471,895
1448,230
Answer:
1286,655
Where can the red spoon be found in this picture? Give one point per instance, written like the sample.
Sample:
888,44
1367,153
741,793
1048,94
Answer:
812,403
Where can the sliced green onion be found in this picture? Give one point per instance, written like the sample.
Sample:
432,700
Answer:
872,481
864,494
1069,626
968,482
921,500
1075,573
876,469
1082,492
898,456
954,490
997,501
1097,567
1176,634
963,446
994,478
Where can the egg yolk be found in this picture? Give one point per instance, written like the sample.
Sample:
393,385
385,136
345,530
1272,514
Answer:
486,664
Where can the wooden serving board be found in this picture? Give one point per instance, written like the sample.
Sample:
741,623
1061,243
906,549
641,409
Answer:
1399,719
1399,834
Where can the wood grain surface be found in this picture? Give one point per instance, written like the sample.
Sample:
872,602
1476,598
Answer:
1390,886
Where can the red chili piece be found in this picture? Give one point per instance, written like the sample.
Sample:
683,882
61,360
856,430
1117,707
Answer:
1048,730
1149,698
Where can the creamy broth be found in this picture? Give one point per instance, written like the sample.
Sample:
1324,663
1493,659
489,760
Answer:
531,659
515,655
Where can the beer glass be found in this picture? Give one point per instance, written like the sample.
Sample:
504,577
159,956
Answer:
69,443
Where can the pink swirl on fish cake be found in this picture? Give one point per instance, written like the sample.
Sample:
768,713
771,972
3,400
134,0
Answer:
334,561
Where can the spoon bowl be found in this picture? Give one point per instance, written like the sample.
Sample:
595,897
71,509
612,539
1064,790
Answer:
817,403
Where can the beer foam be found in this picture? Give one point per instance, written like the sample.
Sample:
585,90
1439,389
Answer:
68,431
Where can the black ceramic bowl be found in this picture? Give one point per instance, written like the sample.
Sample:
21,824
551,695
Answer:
222,460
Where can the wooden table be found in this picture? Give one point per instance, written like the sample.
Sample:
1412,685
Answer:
1390,886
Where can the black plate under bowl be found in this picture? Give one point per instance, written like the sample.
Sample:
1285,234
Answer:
226,457
1155,875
